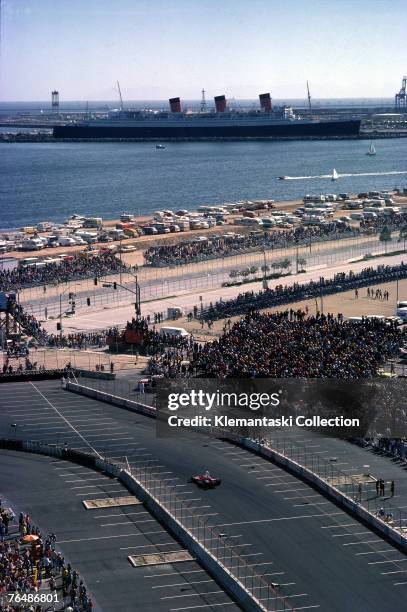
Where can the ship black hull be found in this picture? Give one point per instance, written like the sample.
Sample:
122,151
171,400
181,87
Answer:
296,129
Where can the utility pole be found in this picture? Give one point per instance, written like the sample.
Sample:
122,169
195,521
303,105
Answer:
138,299
121,261
265,283
60,316
136,292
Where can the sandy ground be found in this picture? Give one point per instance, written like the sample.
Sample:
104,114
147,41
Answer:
86,359
345,303
118,315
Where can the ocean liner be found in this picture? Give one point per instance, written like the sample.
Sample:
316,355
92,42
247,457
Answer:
221,123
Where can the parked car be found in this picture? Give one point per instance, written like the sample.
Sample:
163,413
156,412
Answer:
105,238
150,231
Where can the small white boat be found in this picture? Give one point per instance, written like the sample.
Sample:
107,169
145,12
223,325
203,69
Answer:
335,175
372,150
159,146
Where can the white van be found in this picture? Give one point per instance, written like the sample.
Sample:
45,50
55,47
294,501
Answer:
402,313
248,221
32,244
269,222
88,237
355,319
66,241
174,332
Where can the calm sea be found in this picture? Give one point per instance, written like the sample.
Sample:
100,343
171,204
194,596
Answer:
50,181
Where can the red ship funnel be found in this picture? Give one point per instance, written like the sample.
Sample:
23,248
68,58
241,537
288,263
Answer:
265,101
175,105
220,104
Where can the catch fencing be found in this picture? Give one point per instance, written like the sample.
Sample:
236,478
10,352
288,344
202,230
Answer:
361,489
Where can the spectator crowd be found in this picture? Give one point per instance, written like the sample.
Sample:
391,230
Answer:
71,268
227,245
289,344
30,565
377,223
285,294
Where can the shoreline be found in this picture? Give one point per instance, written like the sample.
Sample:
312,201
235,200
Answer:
45,136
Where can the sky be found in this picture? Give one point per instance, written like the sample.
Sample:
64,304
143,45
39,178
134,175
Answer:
163,48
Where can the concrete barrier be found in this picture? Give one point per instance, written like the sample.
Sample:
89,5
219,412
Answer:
104,396
311,477
95,374
223,576
329,490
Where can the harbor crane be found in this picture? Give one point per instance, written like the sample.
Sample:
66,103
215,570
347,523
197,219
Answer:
120,95
401,96
203,102
309,99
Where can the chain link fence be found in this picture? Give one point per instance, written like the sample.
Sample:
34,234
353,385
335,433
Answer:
361,489
157,283
214,541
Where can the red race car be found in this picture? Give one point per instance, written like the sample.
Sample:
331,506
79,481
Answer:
206,481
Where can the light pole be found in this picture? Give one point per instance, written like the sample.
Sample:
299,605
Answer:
265,283
60,310
121,260
136,293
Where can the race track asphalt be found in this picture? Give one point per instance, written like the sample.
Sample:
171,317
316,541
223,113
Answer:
321,557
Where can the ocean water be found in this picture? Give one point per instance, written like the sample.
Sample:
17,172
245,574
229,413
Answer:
50,181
